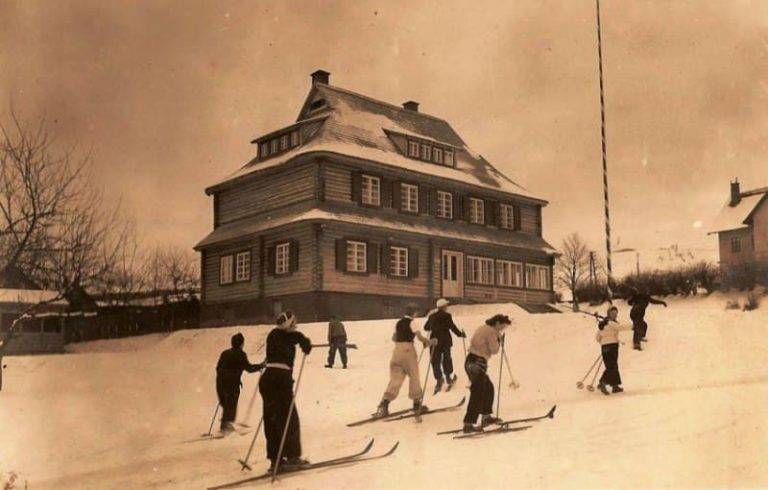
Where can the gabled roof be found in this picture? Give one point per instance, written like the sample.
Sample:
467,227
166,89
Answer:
737,217
357,126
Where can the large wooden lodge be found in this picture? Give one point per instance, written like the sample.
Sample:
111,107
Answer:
361,207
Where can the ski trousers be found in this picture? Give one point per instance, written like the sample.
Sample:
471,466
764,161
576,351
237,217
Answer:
481,392
640,328
228,398
340,344
442,364
611,375
276,388
404,363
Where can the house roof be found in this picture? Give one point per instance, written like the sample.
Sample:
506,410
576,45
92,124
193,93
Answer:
737,217
240,229
357,126
31,296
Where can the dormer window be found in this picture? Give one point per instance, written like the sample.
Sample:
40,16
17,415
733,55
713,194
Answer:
413,149
279,143
430,152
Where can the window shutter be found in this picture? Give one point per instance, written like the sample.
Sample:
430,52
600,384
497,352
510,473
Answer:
386,267
271,262
413,262
341,255
497,214
294,254
456,199
386,193
466,205
516,212
538,220
357,187
397,203
372,251
424,198
490,212
433,202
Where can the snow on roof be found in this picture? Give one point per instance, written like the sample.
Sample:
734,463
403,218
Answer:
733,217
243,228
356,126
30,296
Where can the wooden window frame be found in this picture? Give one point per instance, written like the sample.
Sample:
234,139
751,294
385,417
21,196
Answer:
472,210
231,279
365,257
391,267
413,144
452,153
440,208
247,276
736,245
512,264
286,245
295,138
538,268
437,155
510,216
404,197
370,177
425,152
470,269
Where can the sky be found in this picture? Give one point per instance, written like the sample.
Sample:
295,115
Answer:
169,94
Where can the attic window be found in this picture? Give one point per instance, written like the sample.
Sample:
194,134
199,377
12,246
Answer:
317,105
279,143
430,152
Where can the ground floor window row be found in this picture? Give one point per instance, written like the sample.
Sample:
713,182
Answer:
496,272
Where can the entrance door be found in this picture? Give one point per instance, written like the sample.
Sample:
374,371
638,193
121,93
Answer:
453,274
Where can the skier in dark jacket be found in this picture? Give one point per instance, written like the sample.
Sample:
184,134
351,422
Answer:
337,340
440,325
276,388
232,363
639,302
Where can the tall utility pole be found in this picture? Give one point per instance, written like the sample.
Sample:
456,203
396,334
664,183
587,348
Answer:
605,160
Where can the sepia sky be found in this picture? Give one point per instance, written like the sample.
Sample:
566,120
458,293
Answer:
169,94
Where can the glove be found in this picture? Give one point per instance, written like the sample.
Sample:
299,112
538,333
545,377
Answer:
426,343
463,334
306,345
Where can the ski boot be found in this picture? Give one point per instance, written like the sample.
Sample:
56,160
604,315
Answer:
637,346
418,407
295,463
272,466
470,428
383,409
450,380
344,366
438,386
329,366
618,389
603,388
489,420
227,428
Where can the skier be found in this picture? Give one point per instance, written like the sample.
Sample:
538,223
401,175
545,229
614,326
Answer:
276,388
608,337
639,302
440,325
337,340
232,363
404,362
486,341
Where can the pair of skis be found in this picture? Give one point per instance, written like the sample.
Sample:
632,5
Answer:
502,427
406,414
358,457
212,436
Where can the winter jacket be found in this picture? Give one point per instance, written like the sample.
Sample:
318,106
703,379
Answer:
281,346
440,325
403,331
232,363
610,331
336,329
640,302
485,342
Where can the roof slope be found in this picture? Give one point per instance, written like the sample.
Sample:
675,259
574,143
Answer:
736,217
357,126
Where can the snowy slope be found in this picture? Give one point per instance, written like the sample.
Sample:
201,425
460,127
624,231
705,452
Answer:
694,413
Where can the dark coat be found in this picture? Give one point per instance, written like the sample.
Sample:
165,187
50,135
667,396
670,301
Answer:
640,302
336,329
232,363
440,325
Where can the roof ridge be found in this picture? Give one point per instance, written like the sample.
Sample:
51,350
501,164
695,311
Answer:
388,104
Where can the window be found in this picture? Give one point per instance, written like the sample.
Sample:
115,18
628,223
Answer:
294,138
426,152
437,155
398,261
243,267
371,190
264,151
448,157
735,245
507,216
225,269
283,258
479,270
413,149
356,254
274,145
284,141
536,276
509,273
409,198
476,211
444,205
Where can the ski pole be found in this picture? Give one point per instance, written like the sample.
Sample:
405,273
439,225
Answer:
288,420
429,368
509,369
591,387
501,367
213,419
244,462
250,404
464,344
580,384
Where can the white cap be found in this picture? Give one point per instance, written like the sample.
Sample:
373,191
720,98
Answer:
442,302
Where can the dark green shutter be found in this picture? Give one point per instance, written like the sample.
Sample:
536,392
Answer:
293,266
341,255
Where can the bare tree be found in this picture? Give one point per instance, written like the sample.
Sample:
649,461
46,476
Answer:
573,265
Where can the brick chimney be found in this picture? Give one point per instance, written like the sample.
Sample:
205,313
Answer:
321,76
411,106
735,193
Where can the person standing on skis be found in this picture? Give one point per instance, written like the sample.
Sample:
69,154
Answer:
276,388
639,300
232,363
404,363
486,342
608,337
337,340
440,325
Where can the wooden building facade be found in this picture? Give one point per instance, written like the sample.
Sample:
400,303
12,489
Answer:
361,208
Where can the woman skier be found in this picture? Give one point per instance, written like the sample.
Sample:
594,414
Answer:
608,337
276,388
485,342
404,362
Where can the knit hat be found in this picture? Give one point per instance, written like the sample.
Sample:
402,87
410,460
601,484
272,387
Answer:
442,302
286,319
238,340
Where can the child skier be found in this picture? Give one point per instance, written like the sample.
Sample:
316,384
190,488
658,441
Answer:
232,363
486,341
404,362
608,336
440,325
276,388
337,340
640,301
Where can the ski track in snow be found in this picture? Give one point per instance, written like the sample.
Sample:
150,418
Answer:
694,414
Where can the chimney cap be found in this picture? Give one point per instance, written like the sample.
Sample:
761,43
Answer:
411,105
321,76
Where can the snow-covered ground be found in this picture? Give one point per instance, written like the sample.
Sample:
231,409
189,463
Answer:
115,414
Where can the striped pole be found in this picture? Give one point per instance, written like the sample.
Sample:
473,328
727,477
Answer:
605,160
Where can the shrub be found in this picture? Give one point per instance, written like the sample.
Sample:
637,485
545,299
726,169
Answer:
745,276
752,302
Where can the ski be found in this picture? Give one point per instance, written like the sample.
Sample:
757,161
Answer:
428,412
504,423
498,430
374,418
357,455
217,436
322,464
